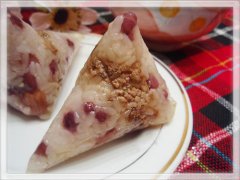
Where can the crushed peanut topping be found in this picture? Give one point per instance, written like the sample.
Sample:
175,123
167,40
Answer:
129,84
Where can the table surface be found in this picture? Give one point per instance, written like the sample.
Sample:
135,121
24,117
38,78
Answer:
205,68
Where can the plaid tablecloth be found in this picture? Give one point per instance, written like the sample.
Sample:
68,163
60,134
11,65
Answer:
205,68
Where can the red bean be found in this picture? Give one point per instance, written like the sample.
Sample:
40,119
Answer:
70,43
129,22
88,107
69,122
131,16
30,82
53,66
152,82
32,58
101,116
41,149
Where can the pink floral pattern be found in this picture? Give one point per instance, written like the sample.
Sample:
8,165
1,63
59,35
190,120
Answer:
64,19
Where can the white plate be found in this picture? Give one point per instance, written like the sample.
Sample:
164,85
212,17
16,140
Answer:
152,151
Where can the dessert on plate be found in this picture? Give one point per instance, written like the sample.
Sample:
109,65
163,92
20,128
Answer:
38,61
119,90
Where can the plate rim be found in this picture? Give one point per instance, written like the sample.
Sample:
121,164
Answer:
187,132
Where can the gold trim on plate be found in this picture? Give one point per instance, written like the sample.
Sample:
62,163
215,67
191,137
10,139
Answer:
181,142
179,147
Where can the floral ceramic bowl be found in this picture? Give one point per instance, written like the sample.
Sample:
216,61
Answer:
166,29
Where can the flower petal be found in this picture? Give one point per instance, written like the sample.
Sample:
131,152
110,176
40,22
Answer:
89,16
40,21
84,29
